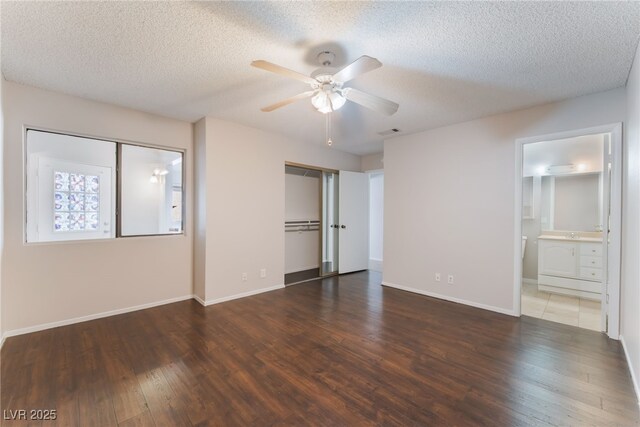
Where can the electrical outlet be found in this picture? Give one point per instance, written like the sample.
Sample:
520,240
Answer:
244,277
450,279
263,273
437,277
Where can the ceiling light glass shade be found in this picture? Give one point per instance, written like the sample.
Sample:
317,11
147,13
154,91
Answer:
327,102
153,179
321,102
337,100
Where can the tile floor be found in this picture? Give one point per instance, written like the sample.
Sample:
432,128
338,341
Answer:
569,310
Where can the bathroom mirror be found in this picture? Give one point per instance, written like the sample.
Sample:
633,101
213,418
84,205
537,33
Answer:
571,202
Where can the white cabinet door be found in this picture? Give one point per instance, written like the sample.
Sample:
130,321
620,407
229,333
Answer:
558,258
353,205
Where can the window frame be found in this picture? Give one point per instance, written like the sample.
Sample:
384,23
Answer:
118,184
119,189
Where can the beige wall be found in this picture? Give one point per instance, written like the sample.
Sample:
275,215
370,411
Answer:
2,82
449,199
630,297
55,282
302,202
245,204
372,162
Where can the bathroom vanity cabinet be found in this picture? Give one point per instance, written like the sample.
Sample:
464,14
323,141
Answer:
570,267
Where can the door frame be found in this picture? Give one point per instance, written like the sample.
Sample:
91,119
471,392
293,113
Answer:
612,279
321,204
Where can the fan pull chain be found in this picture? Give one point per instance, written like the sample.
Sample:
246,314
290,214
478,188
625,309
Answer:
328,129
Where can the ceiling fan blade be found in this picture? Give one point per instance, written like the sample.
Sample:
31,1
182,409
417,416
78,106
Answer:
360,66
373,102
268,66
288,101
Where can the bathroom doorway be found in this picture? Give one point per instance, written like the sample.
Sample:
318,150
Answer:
568,228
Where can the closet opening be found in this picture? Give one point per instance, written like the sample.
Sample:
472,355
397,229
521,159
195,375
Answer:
311,223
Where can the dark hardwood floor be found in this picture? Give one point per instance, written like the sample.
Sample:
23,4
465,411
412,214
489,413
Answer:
339,352
300,276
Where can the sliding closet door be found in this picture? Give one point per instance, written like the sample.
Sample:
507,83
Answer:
330,223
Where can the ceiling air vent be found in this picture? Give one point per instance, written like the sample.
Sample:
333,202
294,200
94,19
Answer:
389,132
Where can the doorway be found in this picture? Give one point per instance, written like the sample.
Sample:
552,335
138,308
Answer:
303,225
568,211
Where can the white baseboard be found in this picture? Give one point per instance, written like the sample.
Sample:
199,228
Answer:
375,264
452,299
240,295
634,380
530,281
66,322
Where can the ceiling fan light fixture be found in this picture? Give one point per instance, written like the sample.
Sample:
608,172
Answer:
327,92
337,100
321,102
327,102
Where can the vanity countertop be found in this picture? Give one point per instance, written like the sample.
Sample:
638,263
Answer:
566,238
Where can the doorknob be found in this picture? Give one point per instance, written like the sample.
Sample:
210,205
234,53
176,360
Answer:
343,226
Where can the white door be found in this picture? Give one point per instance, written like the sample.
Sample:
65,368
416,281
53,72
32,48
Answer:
353,204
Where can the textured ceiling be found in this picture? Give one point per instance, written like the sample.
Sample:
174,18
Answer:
444,62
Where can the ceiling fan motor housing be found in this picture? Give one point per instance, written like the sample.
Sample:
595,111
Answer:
324,75
326,58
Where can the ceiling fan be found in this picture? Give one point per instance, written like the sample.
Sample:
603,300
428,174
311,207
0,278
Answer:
327,92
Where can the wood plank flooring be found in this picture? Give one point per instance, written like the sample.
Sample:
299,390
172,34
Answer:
343,351
300,276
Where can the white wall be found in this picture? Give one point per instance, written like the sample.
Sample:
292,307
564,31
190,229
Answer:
244,221
376,220
449,198
146,205
140,198
302,202
577,202
55,282
630,298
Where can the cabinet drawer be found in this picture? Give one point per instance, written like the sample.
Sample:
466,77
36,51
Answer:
591,249
594,274
590,261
